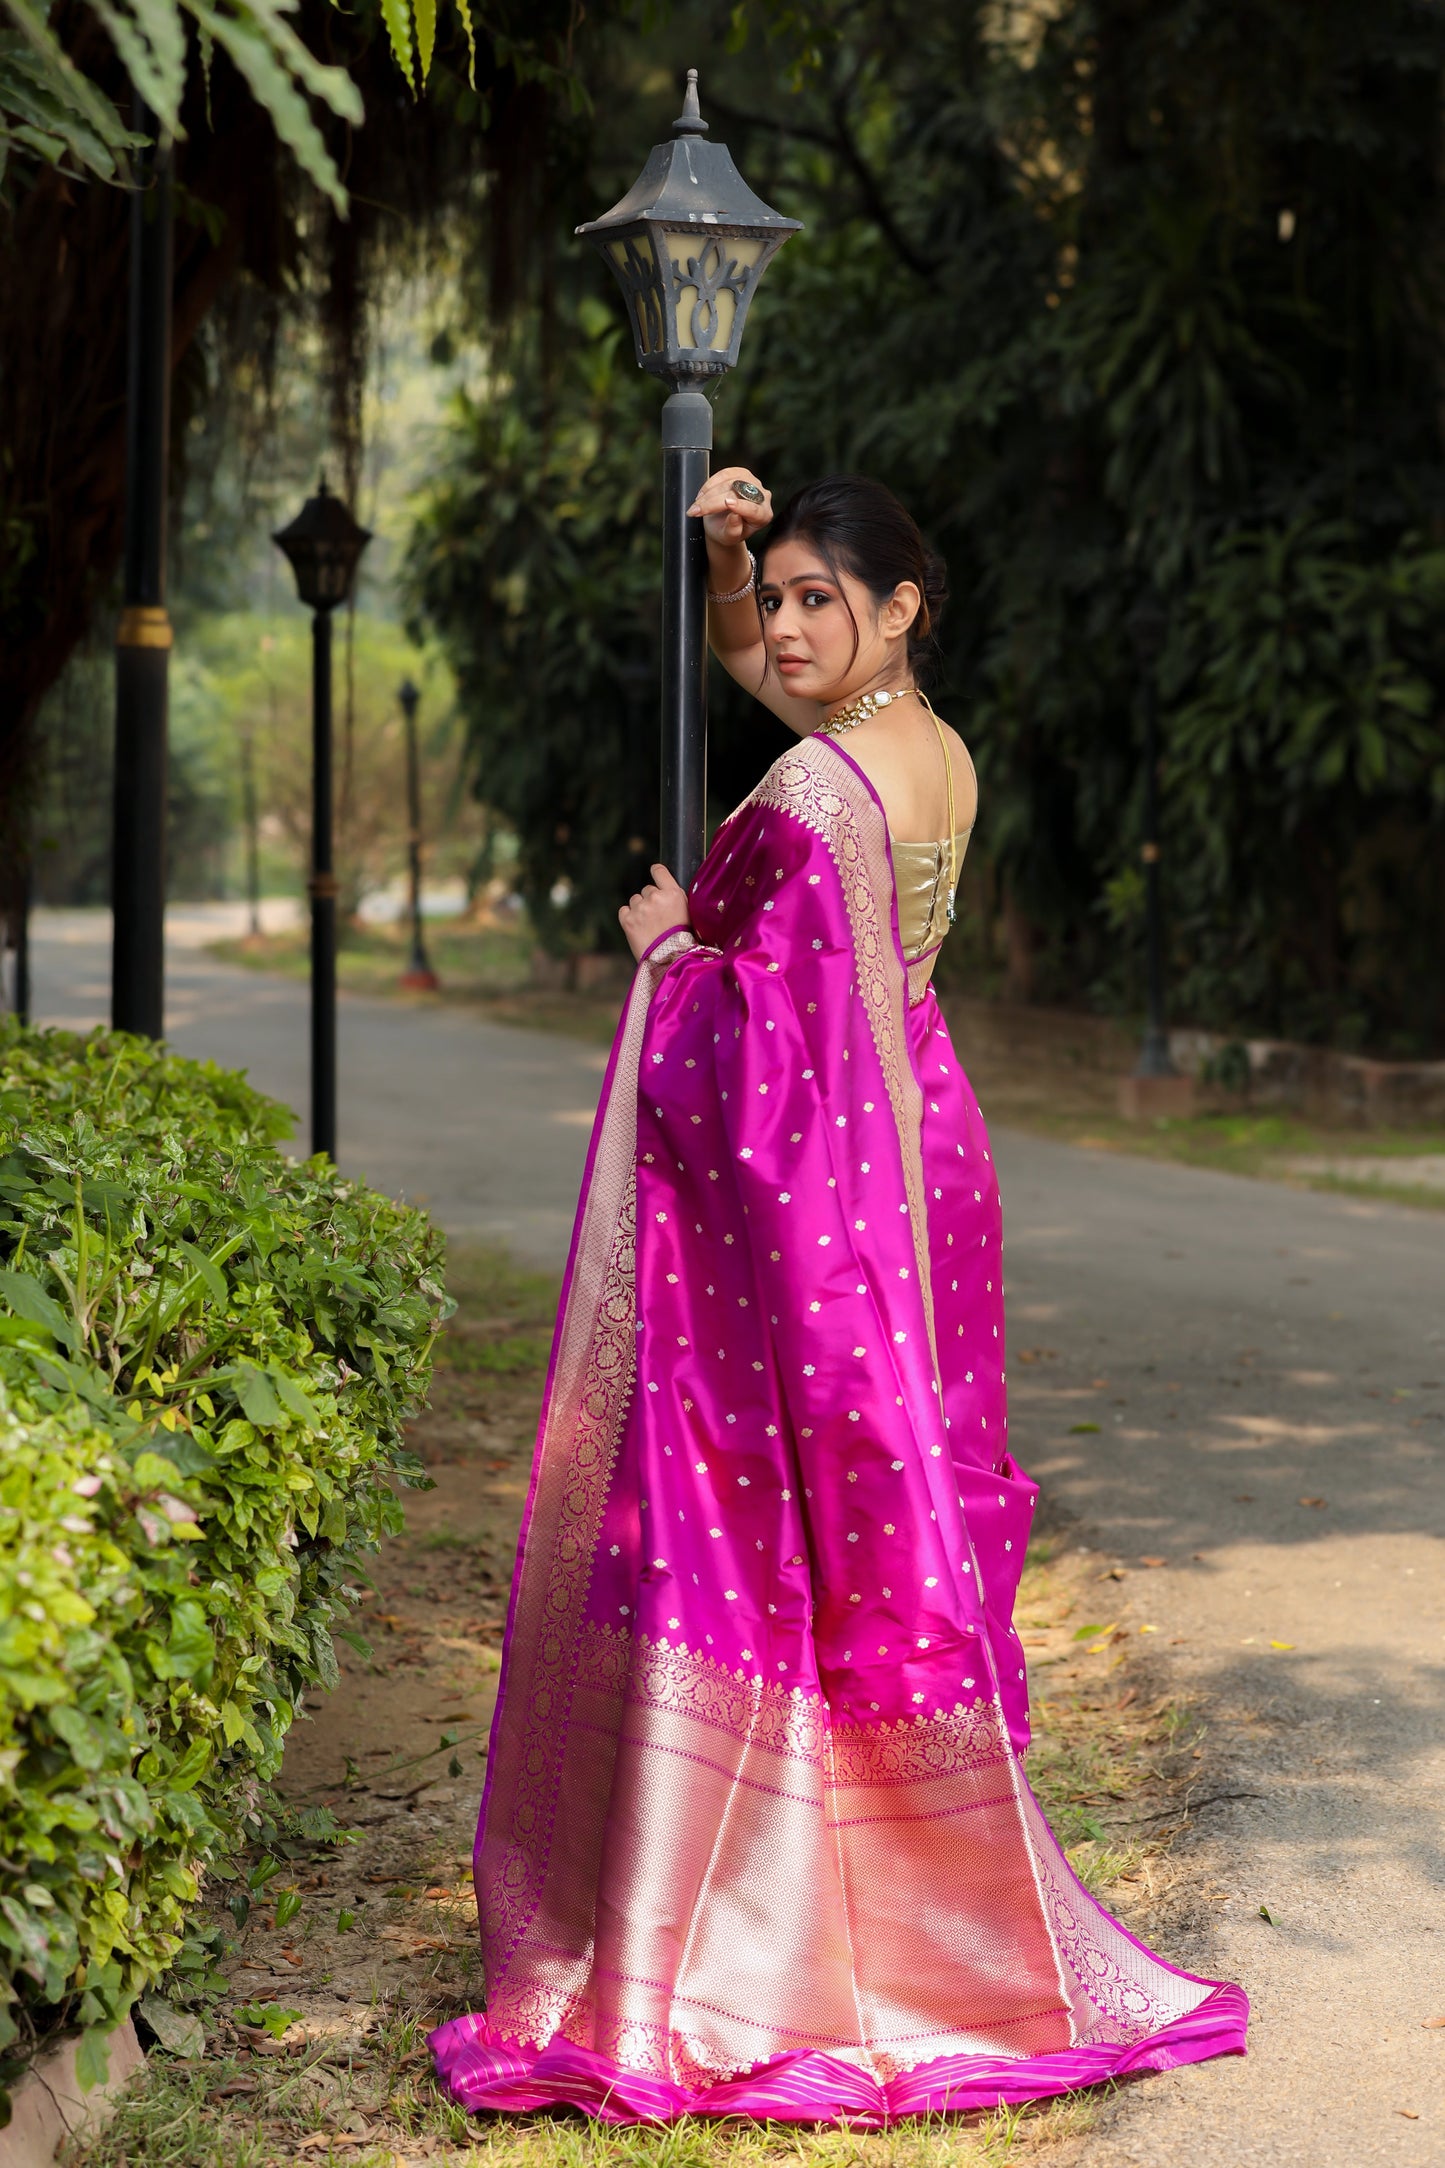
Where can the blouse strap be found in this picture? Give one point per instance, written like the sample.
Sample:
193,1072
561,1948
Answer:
952,819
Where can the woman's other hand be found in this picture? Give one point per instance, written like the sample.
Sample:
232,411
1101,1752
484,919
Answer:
659,908
729,518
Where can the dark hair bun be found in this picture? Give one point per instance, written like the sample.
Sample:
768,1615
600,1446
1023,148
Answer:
859,525
935,589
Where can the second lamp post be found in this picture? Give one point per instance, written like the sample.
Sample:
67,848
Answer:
324,544
687,244
418,975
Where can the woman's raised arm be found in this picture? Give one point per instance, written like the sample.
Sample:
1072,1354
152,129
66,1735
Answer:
734,626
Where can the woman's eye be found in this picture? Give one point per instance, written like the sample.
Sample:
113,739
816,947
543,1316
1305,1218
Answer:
816,595
769,605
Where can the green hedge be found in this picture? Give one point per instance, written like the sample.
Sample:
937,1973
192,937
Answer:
206,1356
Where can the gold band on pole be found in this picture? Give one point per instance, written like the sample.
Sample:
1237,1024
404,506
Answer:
144,625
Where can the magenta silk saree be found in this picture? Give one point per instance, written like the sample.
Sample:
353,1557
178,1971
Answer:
756,1839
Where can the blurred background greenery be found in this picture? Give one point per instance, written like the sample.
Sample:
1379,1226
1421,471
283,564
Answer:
1116,293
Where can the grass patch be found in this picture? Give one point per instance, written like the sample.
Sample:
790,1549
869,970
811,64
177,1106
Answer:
371,959
503,1321
1110,1753
1266,1145
506,1355
486,968
378,2109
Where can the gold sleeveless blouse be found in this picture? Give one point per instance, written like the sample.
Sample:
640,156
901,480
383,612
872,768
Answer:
920,877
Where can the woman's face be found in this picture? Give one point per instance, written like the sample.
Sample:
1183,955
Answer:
810,635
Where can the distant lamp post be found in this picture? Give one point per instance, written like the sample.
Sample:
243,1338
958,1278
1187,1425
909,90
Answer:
688,244
418,976
324,546
1155,1086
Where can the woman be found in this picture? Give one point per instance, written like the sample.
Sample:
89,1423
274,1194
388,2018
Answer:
756,1839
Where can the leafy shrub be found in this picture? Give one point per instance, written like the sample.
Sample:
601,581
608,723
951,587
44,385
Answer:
206,1356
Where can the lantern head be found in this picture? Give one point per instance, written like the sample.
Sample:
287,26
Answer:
324,544
688,244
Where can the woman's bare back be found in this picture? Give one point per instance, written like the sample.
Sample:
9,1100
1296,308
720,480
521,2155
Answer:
899,753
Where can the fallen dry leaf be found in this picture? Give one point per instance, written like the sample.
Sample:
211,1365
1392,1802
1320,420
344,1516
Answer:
1281,1644
1320,1502
235,2087
320,2139
1153,1561
1433,2024
1244,1498
1411,2115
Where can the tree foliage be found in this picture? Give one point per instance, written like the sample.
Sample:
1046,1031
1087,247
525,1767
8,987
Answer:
1120,295
51,111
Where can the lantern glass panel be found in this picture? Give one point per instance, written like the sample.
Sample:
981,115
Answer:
711,275
634,258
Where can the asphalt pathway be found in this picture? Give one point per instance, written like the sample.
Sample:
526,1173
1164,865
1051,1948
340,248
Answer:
1244,1381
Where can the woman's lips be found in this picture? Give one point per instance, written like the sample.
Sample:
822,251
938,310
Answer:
792,663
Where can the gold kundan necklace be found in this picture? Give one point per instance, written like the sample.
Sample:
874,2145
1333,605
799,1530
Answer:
862,710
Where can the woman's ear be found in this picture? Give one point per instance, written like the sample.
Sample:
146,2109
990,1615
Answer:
900,610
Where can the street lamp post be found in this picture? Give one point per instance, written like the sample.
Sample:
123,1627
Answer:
143,636
688,244
1156,1085
418,976
324,545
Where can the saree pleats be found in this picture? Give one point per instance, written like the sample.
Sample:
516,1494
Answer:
756,1837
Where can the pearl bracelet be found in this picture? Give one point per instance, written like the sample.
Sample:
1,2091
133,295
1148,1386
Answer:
740,594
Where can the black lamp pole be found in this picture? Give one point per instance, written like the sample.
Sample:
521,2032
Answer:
324,544
686,463
1148,629
688,244
143,637
418,975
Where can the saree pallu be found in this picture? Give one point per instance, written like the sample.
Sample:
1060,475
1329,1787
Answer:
756,1838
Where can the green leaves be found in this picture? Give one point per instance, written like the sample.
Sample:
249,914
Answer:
269,2017
188,1651
26,1298
92,2057
49,110
193,1466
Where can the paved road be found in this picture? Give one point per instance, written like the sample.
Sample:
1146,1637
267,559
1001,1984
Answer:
1242,1348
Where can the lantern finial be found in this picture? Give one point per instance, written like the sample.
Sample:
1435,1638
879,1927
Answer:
689,121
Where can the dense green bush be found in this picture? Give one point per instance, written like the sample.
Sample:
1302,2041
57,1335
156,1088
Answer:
206,1355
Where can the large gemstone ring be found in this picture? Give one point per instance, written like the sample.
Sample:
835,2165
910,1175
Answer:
748,490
